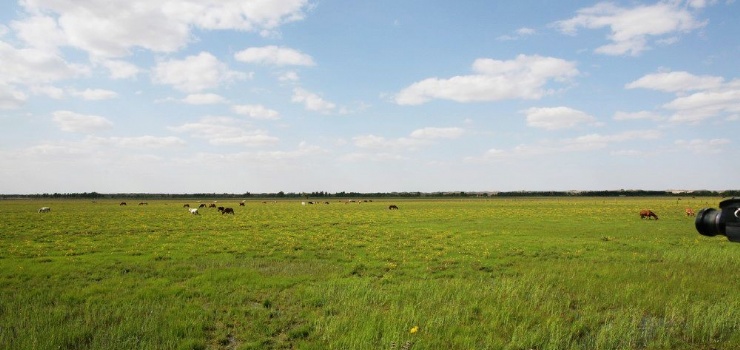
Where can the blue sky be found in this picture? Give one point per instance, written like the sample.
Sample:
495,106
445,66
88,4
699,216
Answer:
186,96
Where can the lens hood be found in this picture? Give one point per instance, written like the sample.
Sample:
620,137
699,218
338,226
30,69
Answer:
709,222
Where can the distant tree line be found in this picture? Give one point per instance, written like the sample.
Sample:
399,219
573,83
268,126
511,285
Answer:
620,193
351,195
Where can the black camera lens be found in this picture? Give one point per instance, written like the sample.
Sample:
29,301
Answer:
709,222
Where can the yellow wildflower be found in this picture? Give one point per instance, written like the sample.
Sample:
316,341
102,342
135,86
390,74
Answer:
414,329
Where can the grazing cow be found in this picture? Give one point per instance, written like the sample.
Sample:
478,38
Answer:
393,207
202,205
186,206
143,203
211,205
220,208
44,210
690,212
645,213
241,204
227,211
194,211
123,203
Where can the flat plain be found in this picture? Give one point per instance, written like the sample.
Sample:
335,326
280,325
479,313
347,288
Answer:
494,273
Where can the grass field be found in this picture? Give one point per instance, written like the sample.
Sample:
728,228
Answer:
556,273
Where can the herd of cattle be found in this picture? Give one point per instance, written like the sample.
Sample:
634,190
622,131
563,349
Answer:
644,213
649,214
222,210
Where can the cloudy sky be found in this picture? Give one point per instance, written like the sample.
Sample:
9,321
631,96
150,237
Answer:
234,96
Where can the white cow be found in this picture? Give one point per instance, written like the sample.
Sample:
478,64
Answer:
194,211
44,210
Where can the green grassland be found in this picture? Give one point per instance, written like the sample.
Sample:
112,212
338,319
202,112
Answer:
518,273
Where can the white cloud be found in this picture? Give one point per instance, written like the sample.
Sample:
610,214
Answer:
273,55
311,101
355,107
667,41
138,142
121,69
11,98
526,31
597,141
642,115
226,131
111,31
47,90
94,94
303,150
701,3
379,142
507,37
633,28
675,82
195,73
437,133
75,122
585,143
699,146
263,16
54,151
106,30
381,149
518,34
40,32
30,66
703,105
371,157
706,99
554,118
416,139
710,97
96,150
370,141
256,111
204,99
267,159
525,77
289,77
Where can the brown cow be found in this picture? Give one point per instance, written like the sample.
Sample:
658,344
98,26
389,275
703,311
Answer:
393,207
123,203
645,213
241,204
202,205
690,212
227,211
